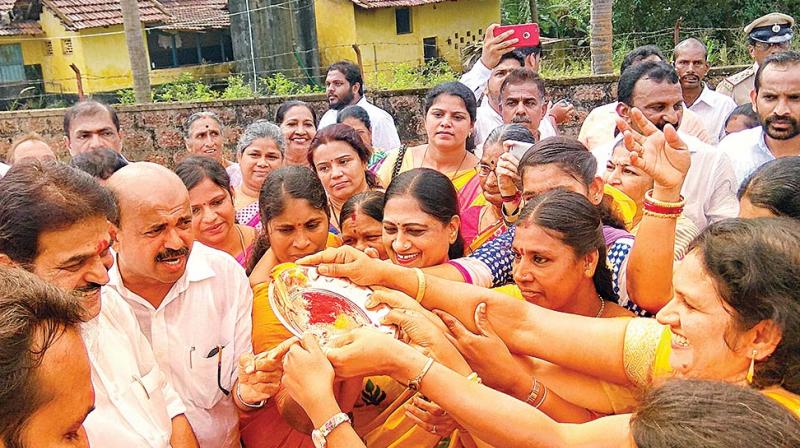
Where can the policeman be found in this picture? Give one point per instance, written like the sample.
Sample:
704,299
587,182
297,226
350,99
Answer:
768,35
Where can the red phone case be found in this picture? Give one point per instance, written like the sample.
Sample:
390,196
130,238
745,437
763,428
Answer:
527,33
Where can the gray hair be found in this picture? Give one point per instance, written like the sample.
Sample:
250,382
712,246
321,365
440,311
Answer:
505,132
261,129
198,115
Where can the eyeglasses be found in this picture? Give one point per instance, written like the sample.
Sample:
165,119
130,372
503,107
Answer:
216,351
484,170
764,46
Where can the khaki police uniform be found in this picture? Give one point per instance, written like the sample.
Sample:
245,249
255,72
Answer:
772,28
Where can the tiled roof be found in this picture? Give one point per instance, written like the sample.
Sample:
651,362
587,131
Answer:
195,15
81,14
15,28
373,4
28,27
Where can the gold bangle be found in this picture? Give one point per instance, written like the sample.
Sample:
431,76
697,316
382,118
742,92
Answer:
421,284
661,215
648,196
416,382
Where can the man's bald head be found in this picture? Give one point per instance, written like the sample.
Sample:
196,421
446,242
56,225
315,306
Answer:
690,44
144,183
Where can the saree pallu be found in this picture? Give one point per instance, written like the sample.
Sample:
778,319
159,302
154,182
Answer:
470,203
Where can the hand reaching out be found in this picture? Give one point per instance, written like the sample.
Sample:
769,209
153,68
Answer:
260,375
660,154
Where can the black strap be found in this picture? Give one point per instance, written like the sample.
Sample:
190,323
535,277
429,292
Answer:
401,153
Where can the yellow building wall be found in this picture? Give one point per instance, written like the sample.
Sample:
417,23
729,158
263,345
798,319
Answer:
453,23
107,66
32,48
336,31
58,77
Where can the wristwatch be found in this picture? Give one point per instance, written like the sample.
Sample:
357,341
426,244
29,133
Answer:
319,436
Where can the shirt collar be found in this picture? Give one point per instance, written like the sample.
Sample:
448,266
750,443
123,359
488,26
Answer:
197,269
705,96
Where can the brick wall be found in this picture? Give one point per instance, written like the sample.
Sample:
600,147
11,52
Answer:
155,131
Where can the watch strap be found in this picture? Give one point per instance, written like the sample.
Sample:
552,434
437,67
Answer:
333,423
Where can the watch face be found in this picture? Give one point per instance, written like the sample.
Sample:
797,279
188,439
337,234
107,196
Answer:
318,439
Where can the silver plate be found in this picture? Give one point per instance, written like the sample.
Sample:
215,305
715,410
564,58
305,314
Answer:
304,301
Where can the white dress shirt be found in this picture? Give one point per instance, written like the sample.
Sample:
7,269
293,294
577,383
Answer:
209,306
714,108
4,169
710,185
384,131
747,150
134,402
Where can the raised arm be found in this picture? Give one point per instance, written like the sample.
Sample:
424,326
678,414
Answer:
665,157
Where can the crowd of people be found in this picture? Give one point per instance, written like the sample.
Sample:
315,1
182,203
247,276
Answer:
636,286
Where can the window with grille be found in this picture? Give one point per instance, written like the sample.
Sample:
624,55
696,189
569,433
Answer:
66,46
12,69
48,48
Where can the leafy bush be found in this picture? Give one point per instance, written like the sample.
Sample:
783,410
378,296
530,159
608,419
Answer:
407,76
184,89
279,85
236,88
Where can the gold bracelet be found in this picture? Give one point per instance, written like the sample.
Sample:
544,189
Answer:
421,284
661,215
648,196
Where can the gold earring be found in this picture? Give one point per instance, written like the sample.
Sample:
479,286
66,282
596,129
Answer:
751,370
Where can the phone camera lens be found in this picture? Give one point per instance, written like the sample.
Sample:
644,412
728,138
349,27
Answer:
526,35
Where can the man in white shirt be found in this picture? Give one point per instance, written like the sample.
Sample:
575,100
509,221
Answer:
499,54
777,87
344,86
712,107
710,185
54,222
599,126
193,303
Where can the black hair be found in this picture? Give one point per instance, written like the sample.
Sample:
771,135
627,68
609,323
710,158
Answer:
638,54
369,203
192,170
571,157
775,186
100,163
522,76
459,90
781,59
88,107
351,72
656,71
755,264
33,316
711,414
354,111
578,224
745,110
520,54
289,182
435,195
284,108
39,197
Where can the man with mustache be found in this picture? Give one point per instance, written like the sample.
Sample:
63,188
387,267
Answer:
521,100
193,303
767,35
54,223
599,126
775,99
344,86
710,185
691,62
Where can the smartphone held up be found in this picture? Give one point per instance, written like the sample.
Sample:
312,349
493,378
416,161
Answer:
527,34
